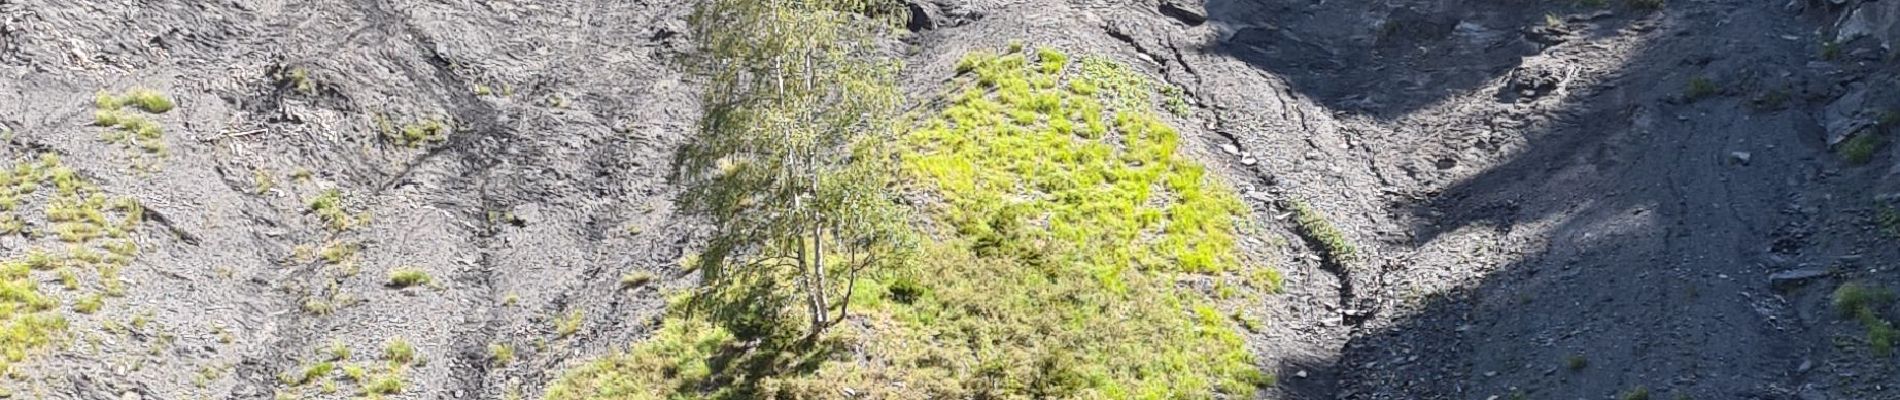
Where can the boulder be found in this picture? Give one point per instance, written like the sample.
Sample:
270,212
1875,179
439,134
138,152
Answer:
1848,115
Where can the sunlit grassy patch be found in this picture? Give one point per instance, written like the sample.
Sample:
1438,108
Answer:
71,227
129,128
1063,222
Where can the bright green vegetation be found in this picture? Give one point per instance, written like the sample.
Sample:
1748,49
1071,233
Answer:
132,129
415,134
299,80
1315,227
149,100
399,351
1863,303
50,205
1861,148
569,324
1060,217
373,379
328,206
338,351
501,353
407,276
1700,87
310,374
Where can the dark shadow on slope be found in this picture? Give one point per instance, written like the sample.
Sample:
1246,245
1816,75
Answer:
1632,236
1390,58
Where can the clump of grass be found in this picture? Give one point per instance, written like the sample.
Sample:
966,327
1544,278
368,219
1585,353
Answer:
328,206
501,353
318,306
149,100
1576,362
1887,218
399,351
89,304
1864,302
1700,87
262,181
413,134
1830,50
1315,226
299,80
570,324
1638,393
338,351
132,130
1861,148
635,279
389,383
408,276
310,374
337,253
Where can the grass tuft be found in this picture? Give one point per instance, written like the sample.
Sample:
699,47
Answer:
1700,87
501,353
636,279
405,277
1864,303
399,351
1639,393
570,324
1315,226
1861,148
149,100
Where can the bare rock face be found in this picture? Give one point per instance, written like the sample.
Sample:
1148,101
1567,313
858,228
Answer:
1848,116
1188,12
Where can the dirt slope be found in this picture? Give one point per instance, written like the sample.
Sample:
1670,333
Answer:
1524,191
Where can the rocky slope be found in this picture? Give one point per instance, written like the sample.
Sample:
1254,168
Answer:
1549,199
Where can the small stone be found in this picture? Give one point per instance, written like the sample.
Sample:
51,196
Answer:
1790,279
1740,157
129,396
1230,149
1249,161
1301,374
